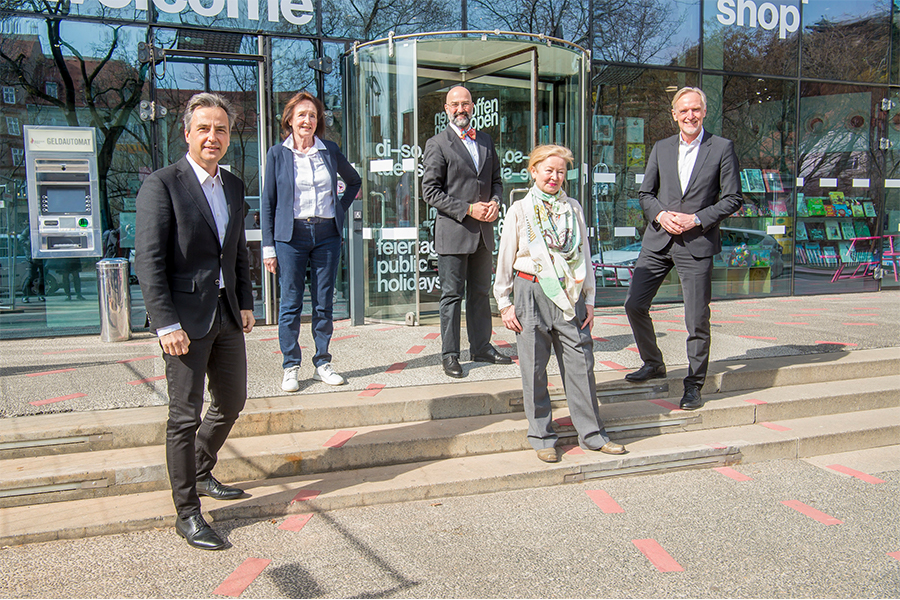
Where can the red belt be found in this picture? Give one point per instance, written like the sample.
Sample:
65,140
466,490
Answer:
528,276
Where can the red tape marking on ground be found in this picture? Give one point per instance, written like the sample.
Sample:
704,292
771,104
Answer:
599,339
66,351
655,553
756,337
563,421
854,473
389,328
612,365
502,344
634,350
296,522
754,401
605,502
666,404
717,446
415,349
573,450
339,439
729,472
396,368
128,360
344,337
148,380
894,555
371,389
235,584
811,512
60,399
305,495
432,336
861,324
50,372
677,330
835,343
775,427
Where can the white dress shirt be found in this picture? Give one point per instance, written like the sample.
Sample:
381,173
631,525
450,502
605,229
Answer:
471,146
687,158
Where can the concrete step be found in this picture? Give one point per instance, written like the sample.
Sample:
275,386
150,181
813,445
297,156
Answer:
140,469
797,438
53,434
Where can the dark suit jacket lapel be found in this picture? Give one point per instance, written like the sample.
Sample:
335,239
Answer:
235,209
194,191
702,153
459,147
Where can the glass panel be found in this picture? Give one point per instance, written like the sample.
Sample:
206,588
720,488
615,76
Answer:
62,293
372,20
751,37
890,221
238,80
657,32
286,16
568,21
632,111
843,192
847,40
385,151
757,242
86,8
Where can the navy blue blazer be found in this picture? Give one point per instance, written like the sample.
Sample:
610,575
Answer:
276,210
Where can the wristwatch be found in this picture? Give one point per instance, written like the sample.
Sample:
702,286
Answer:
696,220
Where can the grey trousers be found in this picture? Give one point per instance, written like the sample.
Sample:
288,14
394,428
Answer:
544,328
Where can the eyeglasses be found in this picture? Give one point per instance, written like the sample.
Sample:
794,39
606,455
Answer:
455,105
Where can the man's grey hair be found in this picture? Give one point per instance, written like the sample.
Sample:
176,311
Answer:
688,90
207,100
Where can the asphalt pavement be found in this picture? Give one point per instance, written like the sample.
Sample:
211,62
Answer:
740,533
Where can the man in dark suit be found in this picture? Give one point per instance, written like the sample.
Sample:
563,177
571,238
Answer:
192,262
691,184
462,181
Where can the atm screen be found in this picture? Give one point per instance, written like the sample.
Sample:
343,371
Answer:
66,200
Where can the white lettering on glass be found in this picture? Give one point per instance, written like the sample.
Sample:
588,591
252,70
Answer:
296,12
745,13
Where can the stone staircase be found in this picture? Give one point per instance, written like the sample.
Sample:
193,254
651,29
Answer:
81,474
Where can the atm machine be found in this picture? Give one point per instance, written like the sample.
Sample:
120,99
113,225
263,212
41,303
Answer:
63,192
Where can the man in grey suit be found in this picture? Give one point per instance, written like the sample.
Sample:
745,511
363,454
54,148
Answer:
462,181
192,262
691,184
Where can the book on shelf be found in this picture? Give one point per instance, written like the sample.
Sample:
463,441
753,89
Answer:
862,229
815,206
832,230
745,185
847,230
772,180
829,255
755,180
802,211
836,196
829,207
813,253
841,210
815,230
856,208
801,231
778,207
869,209
845,251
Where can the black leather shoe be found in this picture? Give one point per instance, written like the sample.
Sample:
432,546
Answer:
691,399
492,356
214,489
452,368
646,372
198,533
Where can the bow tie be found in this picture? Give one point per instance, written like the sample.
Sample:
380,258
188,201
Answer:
468,132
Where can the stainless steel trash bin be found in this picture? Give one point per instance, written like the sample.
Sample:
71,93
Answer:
115,299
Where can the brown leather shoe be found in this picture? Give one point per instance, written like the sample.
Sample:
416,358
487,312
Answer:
612,448
548,455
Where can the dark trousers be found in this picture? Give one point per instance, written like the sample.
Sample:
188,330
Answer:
696,286
317,245
468,274
192,444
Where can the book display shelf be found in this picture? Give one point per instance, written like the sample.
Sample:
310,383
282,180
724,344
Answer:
837,233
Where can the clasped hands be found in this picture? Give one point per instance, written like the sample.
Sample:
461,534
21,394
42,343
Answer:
484,211
676,223
177,342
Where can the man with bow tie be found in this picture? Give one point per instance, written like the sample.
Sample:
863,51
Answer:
462,181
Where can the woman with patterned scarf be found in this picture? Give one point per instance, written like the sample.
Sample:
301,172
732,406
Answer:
543,261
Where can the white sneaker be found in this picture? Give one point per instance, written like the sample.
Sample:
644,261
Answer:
290,382
326,373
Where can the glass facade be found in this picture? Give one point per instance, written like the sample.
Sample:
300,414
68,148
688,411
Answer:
809,90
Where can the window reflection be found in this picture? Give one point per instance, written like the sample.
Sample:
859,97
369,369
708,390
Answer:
659,32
